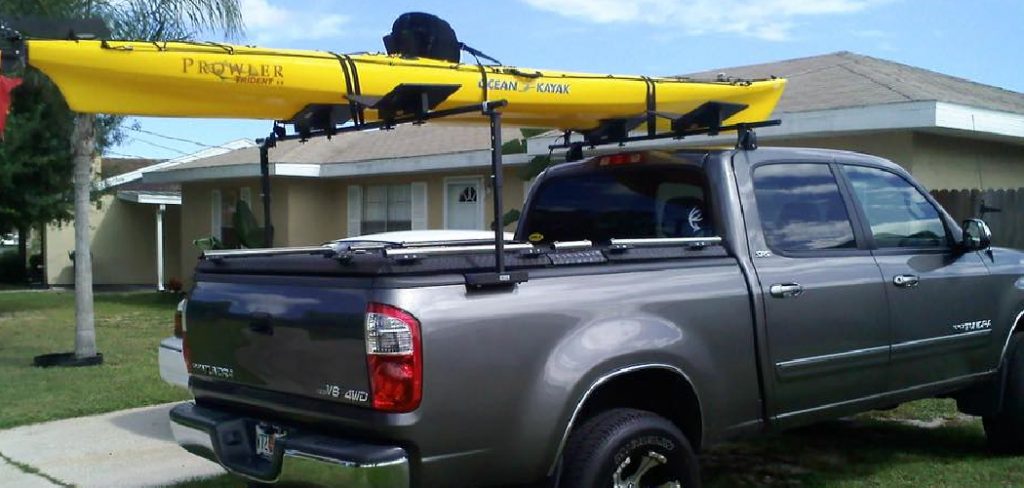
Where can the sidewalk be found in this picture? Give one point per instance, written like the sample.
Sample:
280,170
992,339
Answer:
129,448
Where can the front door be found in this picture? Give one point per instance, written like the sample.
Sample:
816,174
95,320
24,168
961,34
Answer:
940,309
825,308
464,204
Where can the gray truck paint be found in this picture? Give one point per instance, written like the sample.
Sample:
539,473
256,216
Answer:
506,373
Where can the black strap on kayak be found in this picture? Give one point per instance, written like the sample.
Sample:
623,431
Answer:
483,77
352,108
348,67
360,115
652,106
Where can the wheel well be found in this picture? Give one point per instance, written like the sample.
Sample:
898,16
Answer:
987,398
661,391
1018,327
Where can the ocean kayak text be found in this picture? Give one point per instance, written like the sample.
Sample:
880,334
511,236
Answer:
523,87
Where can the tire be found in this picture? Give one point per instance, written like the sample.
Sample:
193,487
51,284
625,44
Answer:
1005,430
609,449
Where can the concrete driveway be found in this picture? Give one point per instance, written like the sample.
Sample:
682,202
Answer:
129,448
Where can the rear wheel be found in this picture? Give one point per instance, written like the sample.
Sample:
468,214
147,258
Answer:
1005,430
627,448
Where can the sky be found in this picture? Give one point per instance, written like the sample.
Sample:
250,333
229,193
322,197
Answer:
978,40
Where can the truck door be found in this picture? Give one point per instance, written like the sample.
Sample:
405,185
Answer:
824,300
940,308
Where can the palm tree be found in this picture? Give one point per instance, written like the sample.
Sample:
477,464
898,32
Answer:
150,20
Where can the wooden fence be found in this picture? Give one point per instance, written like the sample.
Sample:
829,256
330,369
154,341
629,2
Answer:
1007,223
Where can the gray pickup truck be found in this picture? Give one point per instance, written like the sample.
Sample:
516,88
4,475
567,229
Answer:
662,302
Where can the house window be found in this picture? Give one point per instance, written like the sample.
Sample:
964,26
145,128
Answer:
386,208
223,204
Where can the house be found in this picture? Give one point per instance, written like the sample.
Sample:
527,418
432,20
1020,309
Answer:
134,226
431,176
951,133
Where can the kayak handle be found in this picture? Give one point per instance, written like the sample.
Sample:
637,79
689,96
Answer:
518,72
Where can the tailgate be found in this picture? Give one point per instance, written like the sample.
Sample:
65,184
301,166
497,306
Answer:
282,335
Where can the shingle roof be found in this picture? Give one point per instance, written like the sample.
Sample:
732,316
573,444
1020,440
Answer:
846,79
119,166
110,167
401,142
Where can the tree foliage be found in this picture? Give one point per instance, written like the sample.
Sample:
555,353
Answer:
35,156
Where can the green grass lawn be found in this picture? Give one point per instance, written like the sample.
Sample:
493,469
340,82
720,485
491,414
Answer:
128,330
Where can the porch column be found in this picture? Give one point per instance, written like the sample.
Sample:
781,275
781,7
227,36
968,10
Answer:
160,247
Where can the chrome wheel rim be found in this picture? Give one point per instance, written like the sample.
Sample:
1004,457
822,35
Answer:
635,478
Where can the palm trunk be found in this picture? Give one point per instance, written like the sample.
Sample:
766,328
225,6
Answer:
83,147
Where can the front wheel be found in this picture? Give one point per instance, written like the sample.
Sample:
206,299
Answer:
627,448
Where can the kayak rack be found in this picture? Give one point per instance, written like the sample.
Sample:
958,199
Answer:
707,119
405,104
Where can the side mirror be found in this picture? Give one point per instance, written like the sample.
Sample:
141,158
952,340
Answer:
977,235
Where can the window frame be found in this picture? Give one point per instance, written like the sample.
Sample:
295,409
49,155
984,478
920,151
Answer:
387,206
855,218
540,183
869,236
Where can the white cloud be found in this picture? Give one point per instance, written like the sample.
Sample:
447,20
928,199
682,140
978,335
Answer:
266,23
772,20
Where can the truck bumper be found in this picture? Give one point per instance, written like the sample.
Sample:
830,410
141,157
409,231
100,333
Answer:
295,457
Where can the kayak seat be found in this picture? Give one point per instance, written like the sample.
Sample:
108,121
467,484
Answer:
417,34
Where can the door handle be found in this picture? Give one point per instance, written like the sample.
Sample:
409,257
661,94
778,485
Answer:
786,290
905,280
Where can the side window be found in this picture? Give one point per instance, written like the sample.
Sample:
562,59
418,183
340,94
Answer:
801,208
899,214
644,201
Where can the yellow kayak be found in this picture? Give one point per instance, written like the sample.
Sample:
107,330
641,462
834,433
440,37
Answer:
185,79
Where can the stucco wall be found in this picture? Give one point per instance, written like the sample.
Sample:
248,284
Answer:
939,162
123,245
897,147
954,163
314,214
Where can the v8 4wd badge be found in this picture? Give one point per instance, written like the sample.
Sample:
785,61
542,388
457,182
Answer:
335,391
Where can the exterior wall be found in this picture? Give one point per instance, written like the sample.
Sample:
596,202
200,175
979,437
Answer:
196,221
896,146
123,245
312,211
955,163
513,187
939,162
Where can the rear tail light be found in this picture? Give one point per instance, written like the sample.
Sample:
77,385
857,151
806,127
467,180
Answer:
181,330
394,356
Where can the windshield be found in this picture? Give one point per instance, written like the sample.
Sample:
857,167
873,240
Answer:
627,203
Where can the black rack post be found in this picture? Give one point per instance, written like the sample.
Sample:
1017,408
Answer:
268,227
497,185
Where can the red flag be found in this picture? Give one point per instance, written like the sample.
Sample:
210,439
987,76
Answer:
6,85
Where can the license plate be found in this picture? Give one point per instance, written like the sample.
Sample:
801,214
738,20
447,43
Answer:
266,438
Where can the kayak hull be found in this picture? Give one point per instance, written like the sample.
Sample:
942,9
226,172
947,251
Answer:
221,81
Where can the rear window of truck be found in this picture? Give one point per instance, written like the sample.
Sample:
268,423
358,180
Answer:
634,202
